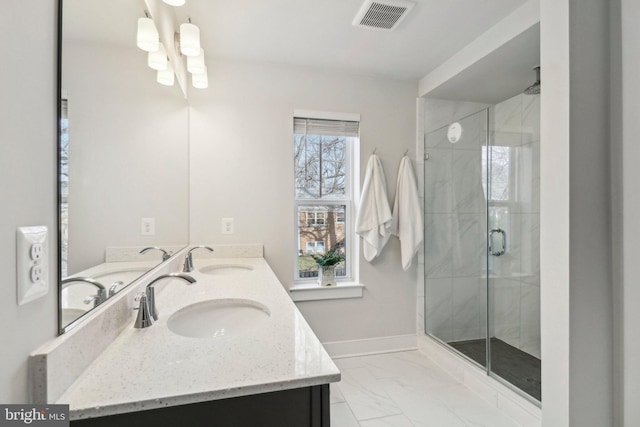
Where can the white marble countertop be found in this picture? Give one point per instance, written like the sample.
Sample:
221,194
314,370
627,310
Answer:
154,367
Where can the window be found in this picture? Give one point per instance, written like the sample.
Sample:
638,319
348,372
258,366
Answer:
315,218
315,247
323,152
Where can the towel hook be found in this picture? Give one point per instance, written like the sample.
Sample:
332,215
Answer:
405,152
375,149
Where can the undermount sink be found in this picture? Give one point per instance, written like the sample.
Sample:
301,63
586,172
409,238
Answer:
217,318
226,269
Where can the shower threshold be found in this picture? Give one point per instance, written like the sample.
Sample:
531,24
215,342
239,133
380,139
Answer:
510,363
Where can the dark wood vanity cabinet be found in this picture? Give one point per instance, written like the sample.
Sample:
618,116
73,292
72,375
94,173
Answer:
300,407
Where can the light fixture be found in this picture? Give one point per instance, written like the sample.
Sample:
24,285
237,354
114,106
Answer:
147,36
454,133
158,59
189,39
174,2
166,76
200,81
195,64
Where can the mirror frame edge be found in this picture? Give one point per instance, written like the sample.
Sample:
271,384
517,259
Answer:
58,166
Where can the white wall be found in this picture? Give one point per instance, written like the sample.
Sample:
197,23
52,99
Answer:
617,235
631,175
27,167
242,167
577,317
128,155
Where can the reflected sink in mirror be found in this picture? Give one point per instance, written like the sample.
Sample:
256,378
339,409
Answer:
71,314
226,269
218,318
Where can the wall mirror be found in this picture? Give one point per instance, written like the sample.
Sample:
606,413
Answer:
123,157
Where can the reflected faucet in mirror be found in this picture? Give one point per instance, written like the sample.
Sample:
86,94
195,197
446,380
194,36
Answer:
113,287
98,298
165,254
188,259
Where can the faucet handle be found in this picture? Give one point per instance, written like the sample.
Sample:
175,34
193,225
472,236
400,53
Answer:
137,299
113,287
144,319
89,299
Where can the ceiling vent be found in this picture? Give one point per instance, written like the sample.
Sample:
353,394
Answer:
382,14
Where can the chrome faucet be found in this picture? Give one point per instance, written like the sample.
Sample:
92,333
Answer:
113,287
150,297
165,255
98,298
188,260
144,319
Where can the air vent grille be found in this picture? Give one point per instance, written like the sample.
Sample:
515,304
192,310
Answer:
382,14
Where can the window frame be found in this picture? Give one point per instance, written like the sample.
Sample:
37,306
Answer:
348,200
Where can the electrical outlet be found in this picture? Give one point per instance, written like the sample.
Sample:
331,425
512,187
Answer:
36,251
148,226
227,225
36,273
31,263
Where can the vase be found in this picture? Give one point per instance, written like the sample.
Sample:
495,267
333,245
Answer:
327,275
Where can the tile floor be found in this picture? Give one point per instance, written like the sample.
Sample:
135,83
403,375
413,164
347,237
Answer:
406,389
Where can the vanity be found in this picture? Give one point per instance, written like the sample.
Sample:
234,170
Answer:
229,350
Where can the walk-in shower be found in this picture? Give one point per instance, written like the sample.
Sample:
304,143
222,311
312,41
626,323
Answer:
482,271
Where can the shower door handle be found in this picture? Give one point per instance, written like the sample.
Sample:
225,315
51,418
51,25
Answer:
496,251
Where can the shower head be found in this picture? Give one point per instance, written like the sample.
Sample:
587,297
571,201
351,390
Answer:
534,89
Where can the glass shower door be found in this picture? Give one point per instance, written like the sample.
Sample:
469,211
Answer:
456,235
482,233
514,234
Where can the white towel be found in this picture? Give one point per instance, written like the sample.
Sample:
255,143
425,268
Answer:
374,216
407,213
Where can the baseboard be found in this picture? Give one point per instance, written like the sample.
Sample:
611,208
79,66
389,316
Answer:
338,349
491,390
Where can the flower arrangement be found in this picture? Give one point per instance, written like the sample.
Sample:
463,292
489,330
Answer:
331,257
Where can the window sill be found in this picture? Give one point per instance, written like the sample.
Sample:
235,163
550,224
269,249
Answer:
313,292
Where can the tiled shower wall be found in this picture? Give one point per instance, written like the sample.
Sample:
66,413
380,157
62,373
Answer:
455,224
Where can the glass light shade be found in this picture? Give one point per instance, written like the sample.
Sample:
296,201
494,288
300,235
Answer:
174,2
189,39
158,59
195,64
200,81
166,76
147,36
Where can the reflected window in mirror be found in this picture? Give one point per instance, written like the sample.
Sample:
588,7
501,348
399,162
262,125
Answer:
64,187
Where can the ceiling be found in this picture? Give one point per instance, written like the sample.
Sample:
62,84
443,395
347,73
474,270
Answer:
503,73
308,33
